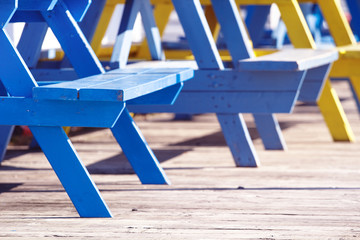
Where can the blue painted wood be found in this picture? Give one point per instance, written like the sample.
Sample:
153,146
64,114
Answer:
123,40
198,34
314,81
255,19
290,60
72,41
226,102
28,111
268,133
229,80
137,151
30,42
162,97
91,19
5,136
204,49
36,5
71,171
88,25
237,138
152,32
240,48
12,66
111,86
67,74
7,10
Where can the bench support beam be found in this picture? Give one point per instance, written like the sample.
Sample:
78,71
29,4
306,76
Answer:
71,172
137,151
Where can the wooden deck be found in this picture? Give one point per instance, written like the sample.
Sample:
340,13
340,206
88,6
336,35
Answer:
311,191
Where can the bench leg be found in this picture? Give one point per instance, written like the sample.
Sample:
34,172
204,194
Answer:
5,135
334,115
137,151
269,131
71,172
238,139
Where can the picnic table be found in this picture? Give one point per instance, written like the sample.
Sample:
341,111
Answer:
254,85
96,99
328,103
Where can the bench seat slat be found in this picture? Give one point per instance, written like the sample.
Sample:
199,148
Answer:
117,85
289,60
133,87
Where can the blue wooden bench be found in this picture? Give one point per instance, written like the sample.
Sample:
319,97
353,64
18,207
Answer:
97,99
228,91
260,85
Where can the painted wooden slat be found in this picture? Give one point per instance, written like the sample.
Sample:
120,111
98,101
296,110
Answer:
289,60
226,102
27,16
78,8
91,19
113,86
26,111
133,87
256,18
230,80
54,74
137,151
164,96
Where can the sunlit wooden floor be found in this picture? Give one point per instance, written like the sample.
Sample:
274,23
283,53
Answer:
311,191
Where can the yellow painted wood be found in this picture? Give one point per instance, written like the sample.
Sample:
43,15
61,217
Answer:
67,130
336,20
346,68
298,30
327,101
213,23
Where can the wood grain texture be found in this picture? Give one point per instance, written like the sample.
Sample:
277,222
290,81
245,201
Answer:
309,192
289,60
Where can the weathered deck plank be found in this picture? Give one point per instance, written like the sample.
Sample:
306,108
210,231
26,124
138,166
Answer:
312,191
